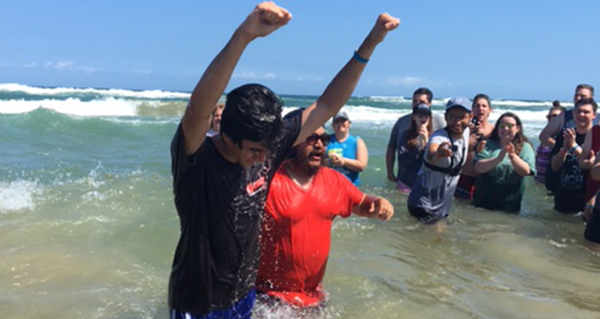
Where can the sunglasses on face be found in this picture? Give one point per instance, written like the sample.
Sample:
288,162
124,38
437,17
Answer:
506,125
312,139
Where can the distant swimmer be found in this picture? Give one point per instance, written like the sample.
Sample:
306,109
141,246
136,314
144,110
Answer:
220,184
507,158
446,154
215,120
411,145
296,233
347,153
420,96
481,129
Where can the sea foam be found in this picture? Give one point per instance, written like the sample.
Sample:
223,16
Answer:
147,94
17,195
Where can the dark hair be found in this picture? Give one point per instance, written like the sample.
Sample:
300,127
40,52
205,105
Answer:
426,91
252,112
556,103
411,138
586,102
519,138
481,96
585,86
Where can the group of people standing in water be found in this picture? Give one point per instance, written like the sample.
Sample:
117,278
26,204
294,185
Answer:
463,155
256,199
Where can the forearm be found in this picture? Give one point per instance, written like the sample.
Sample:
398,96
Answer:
595,172
354,165
390,158
341,87
485,165
546,139
216,77
520,166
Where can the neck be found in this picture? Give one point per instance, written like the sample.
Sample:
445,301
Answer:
300,172
341,136
583,130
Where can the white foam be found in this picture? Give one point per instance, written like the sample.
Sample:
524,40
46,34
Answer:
105,107
148,94
17,195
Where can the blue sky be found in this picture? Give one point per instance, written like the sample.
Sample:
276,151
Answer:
508,49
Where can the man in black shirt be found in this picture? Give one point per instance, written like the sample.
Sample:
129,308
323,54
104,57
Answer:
221,183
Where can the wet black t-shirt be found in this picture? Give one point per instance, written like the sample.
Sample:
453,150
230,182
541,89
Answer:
220,207
570,188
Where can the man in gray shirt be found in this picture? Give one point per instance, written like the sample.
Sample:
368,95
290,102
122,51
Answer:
445,155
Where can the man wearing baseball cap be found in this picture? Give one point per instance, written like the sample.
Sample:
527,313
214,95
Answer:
347,153
445,155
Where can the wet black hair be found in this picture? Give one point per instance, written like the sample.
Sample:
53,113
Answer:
252,112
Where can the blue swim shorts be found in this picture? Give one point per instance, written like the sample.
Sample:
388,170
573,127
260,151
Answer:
241,310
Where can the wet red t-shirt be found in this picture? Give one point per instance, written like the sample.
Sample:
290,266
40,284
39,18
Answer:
296,234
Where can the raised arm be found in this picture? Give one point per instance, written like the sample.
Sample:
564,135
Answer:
587,157
341,87
263,20
552,128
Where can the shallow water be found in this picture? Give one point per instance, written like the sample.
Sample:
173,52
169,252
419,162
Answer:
88,229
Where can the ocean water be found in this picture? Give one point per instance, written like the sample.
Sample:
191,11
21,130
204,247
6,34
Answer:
88,227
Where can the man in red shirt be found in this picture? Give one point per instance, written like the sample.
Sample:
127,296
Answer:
303,200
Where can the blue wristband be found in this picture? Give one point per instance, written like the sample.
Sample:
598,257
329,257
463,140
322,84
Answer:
359,58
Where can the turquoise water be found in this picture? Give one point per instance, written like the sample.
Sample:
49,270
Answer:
88,227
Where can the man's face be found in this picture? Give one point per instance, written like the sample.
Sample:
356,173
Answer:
581,94
481,109
420,98
584,115
250,153
311,151
457,119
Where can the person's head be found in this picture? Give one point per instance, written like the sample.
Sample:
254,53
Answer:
458,114
585,112
421,115
481,107
309,153
583,91
341,124
509,129
555,111
215,119
251,120
422,95
556,103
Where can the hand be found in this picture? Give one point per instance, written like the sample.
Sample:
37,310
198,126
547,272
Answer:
444,150
510,150
423,131
569,135
392,178
264,19
337,160
592,157
481,146
377,207
384,24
